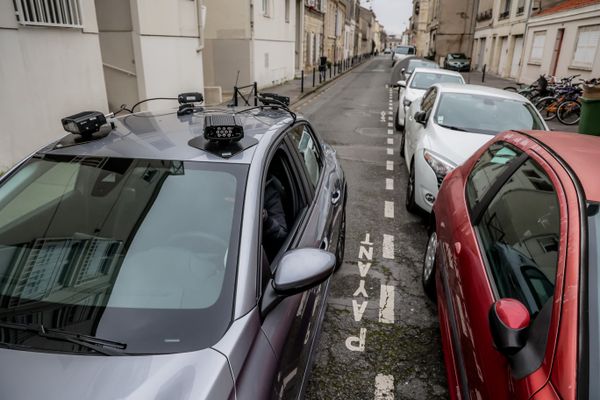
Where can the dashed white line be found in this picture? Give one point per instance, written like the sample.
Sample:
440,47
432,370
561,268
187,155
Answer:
388,209
384,387
390,131
390,151
386,304
389,184
388,247
389,165
390,141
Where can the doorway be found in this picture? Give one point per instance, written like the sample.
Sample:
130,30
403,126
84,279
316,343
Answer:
556,52
516,59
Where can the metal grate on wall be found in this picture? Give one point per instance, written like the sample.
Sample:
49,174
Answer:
59,13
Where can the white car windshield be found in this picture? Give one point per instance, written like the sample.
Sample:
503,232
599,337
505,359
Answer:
404,50
485,114
423,80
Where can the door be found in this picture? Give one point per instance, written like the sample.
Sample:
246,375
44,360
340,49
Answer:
516,222
556,51
516,58
481,59
503,57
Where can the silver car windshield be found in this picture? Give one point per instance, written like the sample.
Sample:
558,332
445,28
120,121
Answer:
89,243
485,114
424,80
404,50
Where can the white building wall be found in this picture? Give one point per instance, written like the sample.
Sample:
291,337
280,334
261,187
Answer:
570,21
45,74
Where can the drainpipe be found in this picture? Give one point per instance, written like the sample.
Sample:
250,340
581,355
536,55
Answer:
201,24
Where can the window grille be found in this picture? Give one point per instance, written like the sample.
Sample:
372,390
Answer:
60,13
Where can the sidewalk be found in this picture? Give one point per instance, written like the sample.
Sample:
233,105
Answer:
497,82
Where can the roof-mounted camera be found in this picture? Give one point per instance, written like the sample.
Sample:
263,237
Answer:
223,136
186,102
84,123
274,99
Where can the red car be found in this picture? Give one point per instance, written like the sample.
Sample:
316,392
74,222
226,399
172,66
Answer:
513,261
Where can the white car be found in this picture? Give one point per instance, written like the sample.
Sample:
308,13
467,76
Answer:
419,81
401,52
448,125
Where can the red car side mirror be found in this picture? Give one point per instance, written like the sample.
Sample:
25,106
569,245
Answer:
509,325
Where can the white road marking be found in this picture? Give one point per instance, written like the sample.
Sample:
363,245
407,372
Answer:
367,241
389,184
361,290
359,340
365,253
388,247
286,381
386,304
363,268
388,210
389,165
390,112
390,141
390,131
384,387
390,151
359,310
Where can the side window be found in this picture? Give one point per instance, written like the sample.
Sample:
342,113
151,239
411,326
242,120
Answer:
488,168
428,100
309,151
520,232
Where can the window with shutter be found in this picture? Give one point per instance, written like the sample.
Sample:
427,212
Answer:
588,39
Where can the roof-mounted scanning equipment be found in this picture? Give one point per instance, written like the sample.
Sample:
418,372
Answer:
186,102
84,127
223,136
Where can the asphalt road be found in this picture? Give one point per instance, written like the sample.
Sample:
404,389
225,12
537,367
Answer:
380,337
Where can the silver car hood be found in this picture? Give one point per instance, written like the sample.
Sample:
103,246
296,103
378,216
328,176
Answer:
26,375
456,146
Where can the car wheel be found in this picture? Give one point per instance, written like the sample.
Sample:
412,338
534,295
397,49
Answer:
411,205
341,245
429,266
396,124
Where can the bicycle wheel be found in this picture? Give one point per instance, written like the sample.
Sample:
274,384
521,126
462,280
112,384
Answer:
569,112
511,89
547,107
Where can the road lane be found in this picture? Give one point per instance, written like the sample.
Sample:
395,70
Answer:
370,348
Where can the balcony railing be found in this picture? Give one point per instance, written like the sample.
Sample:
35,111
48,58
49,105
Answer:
503,15
520,10
484,15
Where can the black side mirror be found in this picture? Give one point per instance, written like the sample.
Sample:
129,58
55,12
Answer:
297,271
509,325
421,117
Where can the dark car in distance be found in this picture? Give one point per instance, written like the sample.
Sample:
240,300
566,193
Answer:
457,62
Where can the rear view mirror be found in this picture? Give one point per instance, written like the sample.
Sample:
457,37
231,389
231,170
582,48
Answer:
297,271
509,324
421,117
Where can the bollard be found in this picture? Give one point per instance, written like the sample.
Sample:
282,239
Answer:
483,75
302,82
255,88
330,72
314,75
235,96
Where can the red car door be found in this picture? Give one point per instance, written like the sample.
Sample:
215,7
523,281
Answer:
501,235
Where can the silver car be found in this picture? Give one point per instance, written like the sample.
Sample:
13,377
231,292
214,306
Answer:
135,261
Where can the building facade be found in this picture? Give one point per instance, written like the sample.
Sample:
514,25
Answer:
419,32
563,40
499,36
450,27
314,32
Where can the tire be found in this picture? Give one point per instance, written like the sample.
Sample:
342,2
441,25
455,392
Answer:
396,124
510,89
341,245
429,261
569,112
411,205
547,107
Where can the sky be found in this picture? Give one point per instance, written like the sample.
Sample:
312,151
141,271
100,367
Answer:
393,14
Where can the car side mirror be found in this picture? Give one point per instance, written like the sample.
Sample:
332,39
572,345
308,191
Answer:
401,84
297,271
421,117
509,324
403,70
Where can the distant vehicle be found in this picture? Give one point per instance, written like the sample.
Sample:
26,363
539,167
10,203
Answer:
447,125
457,62
387,51
402,52
420,80
513,259
418,63
183,254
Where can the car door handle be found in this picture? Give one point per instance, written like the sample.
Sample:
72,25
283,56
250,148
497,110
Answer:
336,196
324,244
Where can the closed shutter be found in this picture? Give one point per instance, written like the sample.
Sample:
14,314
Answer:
588,39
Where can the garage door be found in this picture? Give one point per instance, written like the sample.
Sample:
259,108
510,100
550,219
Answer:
503,53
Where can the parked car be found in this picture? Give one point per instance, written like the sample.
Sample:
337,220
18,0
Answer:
138,261
457,62
448,125
403,69
513,259
418,82
387,51
402,52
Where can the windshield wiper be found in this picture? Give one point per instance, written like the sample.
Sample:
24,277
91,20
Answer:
454,128
102,346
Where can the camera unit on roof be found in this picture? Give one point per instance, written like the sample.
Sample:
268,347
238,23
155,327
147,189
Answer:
223,128
85,123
